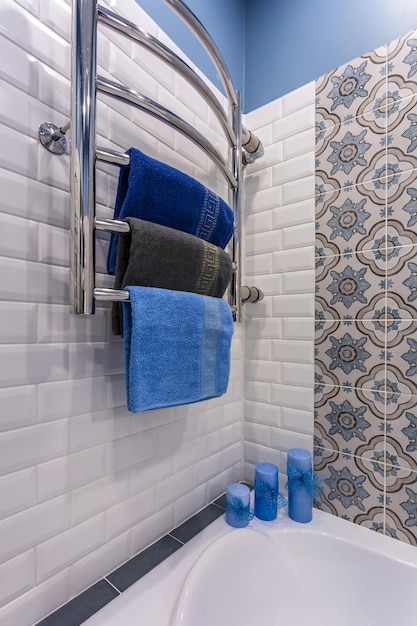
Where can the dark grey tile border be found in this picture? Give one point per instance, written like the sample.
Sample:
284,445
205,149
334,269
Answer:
197,523
83,606
127,574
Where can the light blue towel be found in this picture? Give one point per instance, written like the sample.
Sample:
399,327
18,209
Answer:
177,347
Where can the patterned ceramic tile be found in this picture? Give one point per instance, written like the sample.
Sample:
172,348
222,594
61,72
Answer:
401,510
347,152
402,57
347,88
346,421
349,285
348,217
402,283
347,489
402,133
345,351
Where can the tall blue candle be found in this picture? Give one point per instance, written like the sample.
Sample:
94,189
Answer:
238,505
266,491
300,493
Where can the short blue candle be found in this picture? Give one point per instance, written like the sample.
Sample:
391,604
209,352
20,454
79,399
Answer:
237,505
266,491
300,495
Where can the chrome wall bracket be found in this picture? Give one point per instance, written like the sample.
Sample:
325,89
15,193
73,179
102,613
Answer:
53,137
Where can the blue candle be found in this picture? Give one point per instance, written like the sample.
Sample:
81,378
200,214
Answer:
237,505
266,491
300,493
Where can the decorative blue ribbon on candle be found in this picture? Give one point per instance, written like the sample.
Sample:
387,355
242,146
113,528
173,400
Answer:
274,499
309,480
237,509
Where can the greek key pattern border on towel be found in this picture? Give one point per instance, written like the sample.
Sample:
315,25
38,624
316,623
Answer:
209,215
209,269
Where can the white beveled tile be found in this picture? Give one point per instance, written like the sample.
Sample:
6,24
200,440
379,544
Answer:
293,397
57,325
27,364
259,413
106,558
39,601
19,152
258,349
293,260
17,407
298,282
298,190
18,67
30,527
130,512
96,359
98,427
17,492
17,322
57,15
259,264
296,145
60,552
284,440
263,242
70,472
258,391
26,447
292,351
298,236
33,282
263,115
293,169
17,576
129,451
300,98
71,397
293,123
18,238
53,245
299,374
256,223
263,199
294,419
33,200
299,329
293,214
260,328
299,305
99,496
267,371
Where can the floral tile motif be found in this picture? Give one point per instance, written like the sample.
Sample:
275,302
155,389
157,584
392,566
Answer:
348,217
402,57
347,353
401,435
402,283
348,154
348,87
349,285
347,490
401,510
346,422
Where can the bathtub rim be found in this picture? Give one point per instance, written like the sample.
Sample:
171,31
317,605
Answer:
172,573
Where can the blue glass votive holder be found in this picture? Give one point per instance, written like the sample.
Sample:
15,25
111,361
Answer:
266,491
237,505
300,491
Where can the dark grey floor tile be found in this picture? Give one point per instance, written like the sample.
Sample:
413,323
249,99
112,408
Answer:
198,522
141,564
82,607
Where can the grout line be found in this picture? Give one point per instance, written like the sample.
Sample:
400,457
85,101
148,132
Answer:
111,585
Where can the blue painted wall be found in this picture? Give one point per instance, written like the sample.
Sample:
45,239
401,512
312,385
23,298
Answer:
274,46
292,42
225,22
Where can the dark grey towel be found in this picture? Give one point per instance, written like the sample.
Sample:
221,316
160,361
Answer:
152,255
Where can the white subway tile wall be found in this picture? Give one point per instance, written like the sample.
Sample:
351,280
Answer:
84,484
279,259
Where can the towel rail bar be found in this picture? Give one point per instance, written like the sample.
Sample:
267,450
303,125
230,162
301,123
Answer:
121,92
207,42
131,31
85,85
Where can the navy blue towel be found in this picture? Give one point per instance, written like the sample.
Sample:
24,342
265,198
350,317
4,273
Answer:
156,192
177,347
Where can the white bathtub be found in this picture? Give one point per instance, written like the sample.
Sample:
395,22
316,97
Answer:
326,573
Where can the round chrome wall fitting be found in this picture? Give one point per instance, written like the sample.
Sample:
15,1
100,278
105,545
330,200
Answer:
52,138
250,294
